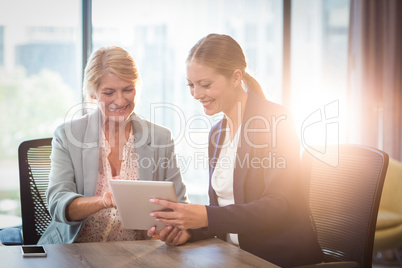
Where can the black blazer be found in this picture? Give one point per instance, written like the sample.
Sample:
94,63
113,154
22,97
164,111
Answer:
270,213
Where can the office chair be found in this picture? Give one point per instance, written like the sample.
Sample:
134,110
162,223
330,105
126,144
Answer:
344,201
34,166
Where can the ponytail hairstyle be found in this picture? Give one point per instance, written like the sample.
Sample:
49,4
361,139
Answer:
225,55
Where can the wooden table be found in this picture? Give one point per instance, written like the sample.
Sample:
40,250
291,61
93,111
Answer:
150,253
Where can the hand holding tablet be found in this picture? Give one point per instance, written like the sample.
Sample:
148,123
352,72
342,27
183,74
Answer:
132,201
183,216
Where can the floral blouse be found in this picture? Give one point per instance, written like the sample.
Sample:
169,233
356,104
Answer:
105,225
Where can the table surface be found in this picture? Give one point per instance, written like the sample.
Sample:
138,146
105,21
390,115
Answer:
149,253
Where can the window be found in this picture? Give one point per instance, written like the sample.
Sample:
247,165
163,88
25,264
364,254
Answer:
41,57
39,81
319,51
1,45
159,40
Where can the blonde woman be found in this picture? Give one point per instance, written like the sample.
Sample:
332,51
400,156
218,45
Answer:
109,143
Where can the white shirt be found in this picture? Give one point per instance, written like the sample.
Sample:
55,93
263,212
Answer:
222,177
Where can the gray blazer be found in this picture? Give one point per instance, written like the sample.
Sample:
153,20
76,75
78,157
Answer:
75,163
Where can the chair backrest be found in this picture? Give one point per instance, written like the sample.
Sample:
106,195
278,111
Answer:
344,200
34,165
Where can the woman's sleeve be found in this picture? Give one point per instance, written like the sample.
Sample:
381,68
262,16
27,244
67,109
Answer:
62,189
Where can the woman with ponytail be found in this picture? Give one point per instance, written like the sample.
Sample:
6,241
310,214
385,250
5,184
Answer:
255,193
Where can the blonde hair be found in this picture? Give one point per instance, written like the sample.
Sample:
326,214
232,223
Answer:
110,59
224,54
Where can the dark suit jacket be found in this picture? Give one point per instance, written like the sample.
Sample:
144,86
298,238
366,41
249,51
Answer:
270,213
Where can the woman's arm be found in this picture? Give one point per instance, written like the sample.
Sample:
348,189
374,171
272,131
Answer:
65,191
179,220
62,189
270,211
183,216
82,207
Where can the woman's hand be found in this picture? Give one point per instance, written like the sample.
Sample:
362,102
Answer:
108,200
172,236
82,207
183,216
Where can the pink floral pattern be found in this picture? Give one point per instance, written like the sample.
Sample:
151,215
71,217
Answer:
105,225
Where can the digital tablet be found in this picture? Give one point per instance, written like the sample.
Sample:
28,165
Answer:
132,201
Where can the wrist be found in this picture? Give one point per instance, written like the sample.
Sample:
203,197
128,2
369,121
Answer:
101,203
205,216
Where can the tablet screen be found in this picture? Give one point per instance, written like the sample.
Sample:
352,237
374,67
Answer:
132,201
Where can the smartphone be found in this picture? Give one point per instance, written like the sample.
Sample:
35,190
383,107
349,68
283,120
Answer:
33,251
